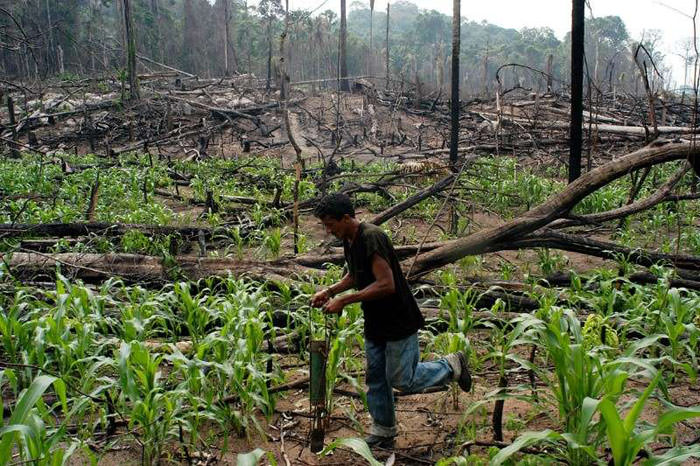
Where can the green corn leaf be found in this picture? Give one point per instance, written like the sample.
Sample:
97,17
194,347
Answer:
677,455
21,413
357,445
633,415
590,406
617,437
60,386
674,416
250,459
643,343
525,440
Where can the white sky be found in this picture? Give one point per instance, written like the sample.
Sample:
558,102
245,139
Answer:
639,16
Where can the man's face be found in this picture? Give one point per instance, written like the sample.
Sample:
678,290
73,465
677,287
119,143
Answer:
335,227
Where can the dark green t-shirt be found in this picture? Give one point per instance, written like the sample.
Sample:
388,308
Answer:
393,317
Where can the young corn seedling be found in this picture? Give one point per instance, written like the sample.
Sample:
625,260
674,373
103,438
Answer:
153,408
627,438
36,444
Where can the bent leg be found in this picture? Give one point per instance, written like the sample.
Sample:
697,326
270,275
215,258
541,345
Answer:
405,373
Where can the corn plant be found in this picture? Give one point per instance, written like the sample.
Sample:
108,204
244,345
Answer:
27,430
340,360
626,438
272,242
153,407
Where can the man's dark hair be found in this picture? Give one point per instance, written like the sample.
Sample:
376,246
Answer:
334,205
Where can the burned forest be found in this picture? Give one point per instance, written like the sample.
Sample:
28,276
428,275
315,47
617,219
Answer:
167,289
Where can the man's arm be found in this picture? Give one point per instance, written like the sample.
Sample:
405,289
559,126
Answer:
382,286
323,296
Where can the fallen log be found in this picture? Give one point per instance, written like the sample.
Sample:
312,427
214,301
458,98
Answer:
167,67
336,256
222,111
557,206
159,139
68,230
623,130
411,201
660,195
96,268
29,122
563,279
603,249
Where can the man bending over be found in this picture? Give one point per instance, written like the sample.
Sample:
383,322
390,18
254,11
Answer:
392,317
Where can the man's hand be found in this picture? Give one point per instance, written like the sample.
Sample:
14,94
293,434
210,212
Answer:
320,298
334,306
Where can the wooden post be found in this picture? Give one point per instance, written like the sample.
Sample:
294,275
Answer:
576,131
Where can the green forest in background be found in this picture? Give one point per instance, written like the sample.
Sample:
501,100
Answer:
84,37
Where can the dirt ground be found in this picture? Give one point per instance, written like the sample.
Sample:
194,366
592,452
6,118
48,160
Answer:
431,426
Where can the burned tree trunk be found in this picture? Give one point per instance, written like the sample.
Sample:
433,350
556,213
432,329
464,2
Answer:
227,71
14,151
576,131
454,103
344,85
130,49
387,45
370,55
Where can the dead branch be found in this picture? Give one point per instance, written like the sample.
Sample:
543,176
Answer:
660,195
557,206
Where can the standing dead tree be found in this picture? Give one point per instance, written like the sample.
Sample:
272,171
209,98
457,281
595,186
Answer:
342,46
299,164
130,51
454,102
644,73
576,133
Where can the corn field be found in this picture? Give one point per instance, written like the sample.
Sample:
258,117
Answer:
602,370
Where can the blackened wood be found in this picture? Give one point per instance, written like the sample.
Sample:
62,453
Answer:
576,132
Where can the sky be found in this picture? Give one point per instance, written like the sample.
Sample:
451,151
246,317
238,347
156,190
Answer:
671,17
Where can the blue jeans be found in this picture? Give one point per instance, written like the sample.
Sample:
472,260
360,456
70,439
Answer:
394,364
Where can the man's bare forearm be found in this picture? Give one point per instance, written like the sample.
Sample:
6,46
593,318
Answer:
374,290
344,284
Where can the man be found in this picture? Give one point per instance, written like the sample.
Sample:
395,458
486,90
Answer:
392,317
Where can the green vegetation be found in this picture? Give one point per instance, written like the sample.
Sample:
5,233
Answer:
191,363
188,362
419,41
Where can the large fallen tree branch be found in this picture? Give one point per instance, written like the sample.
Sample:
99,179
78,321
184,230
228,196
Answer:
557,206
603,249
660,195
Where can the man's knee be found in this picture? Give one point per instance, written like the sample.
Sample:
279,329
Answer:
401,380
